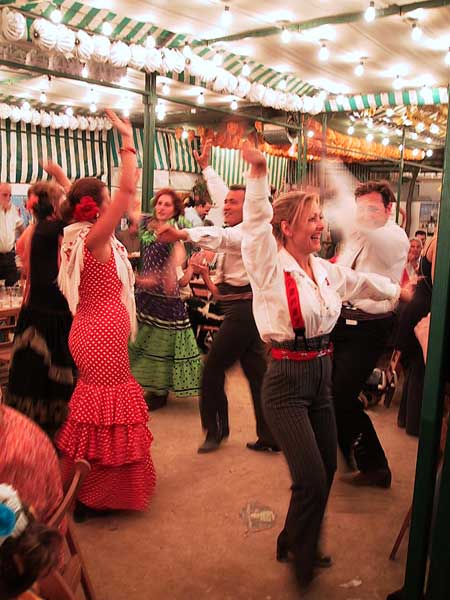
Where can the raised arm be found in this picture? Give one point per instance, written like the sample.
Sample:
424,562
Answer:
213,238
98,239
54,170
259,247
217,188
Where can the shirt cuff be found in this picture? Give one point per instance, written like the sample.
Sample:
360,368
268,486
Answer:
208,172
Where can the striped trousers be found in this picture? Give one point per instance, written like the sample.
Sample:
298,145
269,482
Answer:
298,407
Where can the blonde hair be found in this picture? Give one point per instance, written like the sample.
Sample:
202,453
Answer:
289,207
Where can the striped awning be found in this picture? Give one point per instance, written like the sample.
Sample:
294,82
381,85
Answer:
182,154
230,165
24,146
162,155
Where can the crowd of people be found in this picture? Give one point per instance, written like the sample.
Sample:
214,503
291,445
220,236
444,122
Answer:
307,332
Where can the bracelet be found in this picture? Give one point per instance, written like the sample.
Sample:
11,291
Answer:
128,149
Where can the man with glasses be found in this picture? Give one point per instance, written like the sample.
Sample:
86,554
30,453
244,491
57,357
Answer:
376,245
11,225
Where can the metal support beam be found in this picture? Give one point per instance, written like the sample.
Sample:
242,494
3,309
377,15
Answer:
430,427
339,19
148,158
323,156
299,176
400,175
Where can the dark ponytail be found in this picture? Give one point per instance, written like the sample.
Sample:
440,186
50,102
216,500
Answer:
48,199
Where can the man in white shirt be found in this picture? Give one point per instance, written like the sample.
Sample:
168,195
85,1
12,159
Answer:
238,337
196,214
376,246
11,225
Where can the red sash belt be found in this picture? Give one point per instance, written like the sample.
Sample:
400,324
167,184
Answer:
300,355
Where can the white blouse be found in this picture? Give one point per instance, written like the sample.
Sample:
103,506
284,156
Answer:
320,302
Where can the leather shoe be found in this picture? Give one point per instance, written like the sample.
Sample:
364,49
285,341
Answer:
154,402
210,444
284,554
260,446
375,478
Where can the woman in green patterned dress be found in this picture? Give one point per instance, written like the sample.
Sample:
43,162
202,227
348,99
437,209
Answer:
165,356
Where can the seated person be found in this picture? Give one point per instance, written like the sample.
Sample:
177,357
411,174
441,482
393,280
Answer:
29,549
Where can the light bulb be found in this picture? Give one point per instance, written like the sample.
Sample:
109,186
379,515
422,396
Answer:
184,134
370,13
416,32
359,69
369,123
126,112
310,133
283,84
233,104
45,84
428,140
351,130
150,42
56,16
385,141
286,35
84,71
165,89
187,52
384,129
160,115
397,83
341,99
415,152
398,132
26,105
414,135
389,112
323,52
43,98
434,129
226,18
400,147
69,111
193,111
420,126
447,58
93,107
429,152
218,59
201,99
369,137
245,69
107,28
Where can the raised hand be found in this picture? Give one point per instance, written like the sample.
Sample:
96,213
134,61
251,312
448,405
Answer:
203,158
168,234
254,157
123,126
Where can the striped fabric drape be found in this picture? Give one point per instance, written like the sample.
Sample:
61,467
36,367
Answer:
181,154
24,146
162,155
230,165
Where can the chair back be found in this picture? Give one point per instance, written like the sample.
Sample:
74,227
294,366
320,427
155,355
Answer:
82,468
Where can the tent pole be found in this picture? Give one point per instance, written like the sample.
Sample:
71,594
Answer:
148,159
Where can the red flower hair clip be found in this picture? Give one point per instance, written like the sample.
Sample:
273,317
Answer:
31,202
86,209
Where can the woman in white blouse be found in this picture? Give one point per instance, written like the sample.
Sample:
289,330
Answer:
297,299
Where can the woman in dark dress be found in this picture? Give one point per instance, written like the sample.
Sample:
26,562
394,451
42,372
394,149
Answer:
41,377
412,357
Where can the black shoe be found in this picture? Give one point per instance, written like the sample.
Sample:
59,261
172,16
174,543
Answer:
375,478
398,595
154,402
260,446
322,561
83,513
211,443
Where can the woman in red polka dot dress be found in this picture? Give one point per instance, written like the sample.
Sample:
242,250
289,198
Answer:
107,422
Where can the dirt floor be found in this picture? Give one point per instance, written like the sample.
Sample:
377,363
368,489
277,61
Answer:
210,533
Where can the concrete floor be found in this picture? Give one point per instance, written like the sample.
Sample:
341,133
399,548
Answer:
193,543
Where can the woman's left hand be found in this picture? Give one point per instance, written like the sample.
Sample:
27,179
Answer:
123,126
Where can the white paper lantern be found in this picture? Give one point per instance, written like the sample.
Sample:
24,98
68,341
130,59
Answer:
83,123
64,121
243,87
35,117
102,47
172,60
92,121
268,98
138,56
46,119
196,66
256,92
231,83
27,115
84,46
120,54
107,124
44,34
153,60
16,114
73,123
220,81
65,39
5,111
13,25
55,121
100,123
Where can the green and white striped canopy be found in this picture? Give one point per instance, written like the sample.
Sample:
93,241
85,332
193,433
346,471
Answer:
230,165
24,146
162,156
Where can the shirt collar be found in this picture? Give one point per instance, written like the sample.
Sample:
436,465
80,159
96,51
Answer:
290,265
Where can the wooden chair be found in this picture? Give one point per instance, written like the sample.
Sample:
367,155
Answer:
63,585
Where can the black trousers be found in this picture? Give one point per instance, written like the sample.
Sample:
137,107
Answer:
357,349
299,410
237,339
8,269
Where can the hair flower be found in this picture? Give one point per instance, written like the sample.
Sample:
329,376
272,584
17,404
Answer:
86,209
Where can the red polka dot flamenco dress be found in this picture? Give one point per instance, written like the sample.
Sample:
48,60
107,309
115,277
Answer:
107,422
